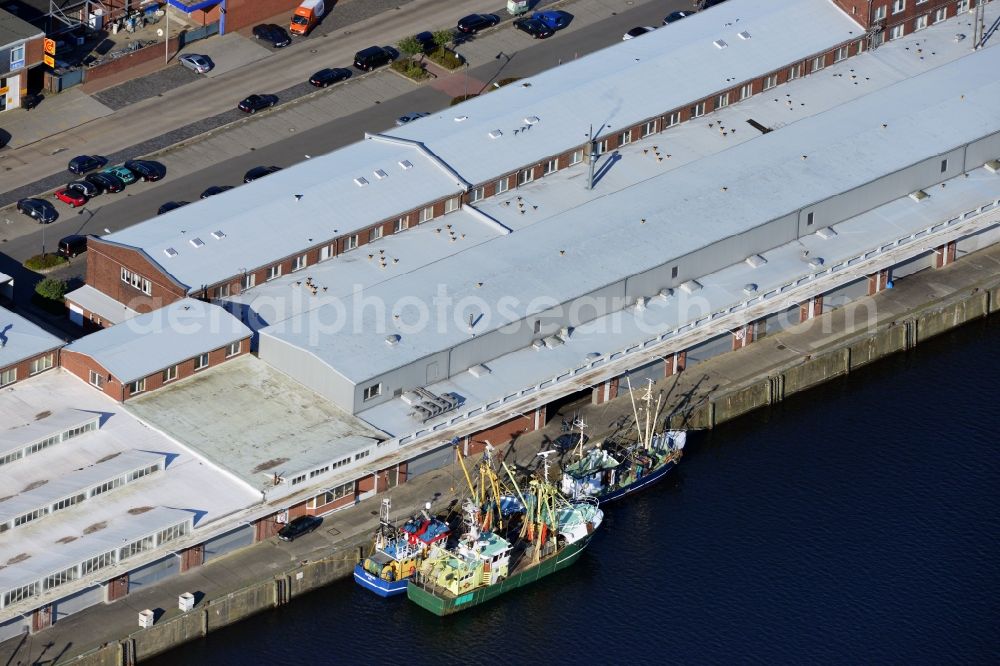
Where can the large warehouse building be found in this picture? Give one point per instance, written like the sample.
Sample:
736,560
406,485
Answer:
450,281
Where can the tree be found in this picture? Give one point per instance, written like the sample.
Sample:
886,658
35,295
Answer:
443,37
410,46
51,288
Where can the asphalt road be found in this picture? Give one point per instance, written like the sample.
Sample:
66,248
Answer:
141,200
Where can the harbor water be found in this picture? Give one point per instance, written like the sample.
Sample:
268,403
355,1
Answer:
856,523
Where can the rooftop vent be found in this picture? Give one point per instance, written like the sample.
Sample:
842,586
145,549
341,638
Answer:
755,261
993,166
743,35
552,341
459,119
816,262
720,44
537,344
360,181
691,286
665,293
496,134
392,339
479,370
919,195
826,233
170,252
530,120
406,164
380,174
196,242
750,288
218,235
592,356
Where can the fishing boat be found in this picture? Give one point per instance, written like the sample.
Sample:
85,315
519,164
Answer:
398,552
551,535
624,465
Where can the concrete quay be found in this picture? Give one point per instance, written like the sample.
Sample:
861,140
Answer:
721,388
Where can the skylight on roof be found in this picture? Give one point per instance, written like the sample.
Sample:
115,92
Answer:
530,120
406,164
218,235
496,134
720,44
743,35
170,252
360,181
380,174
196,242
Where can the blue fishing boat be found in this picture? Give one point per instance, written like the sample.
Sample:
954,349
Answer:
398,552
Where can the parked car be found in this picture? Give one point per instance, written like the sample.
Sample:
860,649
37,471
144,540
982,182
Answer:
555,19
84,187
328,76
371,58
70,246
637,32
215,189
71,196
197,63
473,23
402,120
38,209
259,172
676,16
254,103
272,33
171,205
148,170
105,182
298,527
81,164
123,174
534,27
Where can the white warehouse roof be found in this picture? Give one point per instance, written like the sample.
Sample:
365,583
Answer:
686,209
629,82
20,339
291,210
156,340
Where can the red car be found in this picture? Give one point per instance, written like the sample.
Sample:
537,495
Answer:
72,196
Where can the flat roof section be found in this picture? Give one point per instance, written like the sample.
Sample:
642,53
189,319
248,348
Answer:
100,304
619,86
271,424
289,211
156,340
20,339
687,208
14,29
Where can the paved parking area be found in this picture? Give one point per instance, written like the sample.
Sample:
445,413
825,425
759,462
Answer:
63,112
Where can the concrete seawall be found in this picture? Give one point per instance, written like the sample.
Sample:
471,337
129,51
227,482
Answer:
706,394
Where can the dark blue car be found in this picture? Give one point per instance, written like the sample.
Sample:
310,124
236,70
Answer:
554,19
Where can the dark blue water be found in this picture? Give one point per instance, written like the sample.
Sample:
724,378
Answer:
856,523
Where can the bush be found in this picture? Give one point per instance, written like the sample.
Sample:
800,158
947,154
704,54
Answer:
410,46
443,37
40,262
410,69
51,289
447,59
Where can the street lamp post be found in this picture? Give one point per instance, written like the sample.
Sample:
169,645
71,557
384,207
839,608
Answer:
166,40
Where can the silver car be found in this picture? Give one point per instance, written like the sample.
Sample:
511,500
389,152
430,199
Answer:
198,64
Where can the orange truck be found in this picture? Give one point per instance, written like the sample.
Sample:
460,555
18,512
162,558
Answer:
306,16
